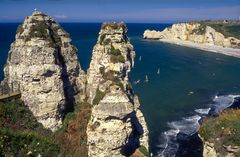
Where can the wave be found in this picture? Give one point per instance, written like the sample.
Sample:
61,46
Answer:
188,126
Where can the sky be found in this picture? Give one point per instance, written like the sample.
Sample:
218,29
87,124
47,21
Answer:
135,11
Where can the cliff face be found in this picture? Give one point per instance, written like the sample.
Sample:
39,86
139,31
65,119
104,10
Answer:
194,32
43,64
117,126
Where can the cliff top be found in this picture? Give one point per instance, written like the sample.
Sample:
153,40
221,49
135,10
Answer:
223,130
114,25
229,28
41,26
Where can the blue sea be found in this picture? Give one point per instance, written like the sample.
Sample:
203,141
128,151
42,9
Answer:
191,82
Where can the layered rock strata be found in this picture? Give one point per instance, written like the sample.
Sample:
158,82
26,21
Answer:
194,32
43,64
117,126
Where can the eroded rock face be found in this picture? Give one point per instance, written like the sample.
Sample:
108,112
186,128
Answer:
193,32
117,126
209,150
43,63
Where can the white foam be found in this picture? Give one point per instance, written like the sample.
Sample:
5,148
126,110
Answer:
189,125
203,111
222,102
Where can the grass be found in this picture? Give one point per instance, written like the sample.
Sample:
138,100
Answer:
15,115
38,30
144,151
225,128
72,137
21,134
228,29
41,29
19,143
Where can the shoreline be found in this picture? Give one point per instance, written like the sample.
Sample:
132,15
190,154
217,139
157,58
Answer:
211,48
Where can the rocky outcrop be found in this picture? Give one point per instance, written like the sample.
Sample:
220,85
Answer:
43,63
220,134
209,150
194,32
117,126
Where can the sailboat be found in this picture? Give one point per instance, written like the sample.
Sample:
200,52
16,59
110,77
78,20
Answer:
137,82
140,58
146,78
158,72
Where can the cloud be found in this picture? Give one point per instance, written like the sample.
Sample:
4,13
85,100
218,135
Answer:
183,14
60,16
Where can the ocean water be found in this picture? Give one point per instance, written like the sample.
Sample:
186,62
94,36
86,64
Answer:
190,84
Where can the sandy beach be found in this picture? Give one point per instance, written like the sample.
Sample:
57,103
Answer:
212,48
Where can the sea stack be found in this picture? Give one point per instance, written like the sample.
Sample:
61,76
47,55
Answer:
117,126
43,63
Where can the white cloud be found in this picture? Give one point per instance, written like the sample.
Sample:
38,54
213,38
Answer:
60,16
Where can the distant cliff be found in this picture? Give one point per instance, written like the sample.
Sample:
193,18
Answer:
117,126
218,33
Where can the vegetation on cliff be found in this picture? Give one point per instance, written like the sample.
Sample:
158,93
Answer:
227,28
223,130
22,135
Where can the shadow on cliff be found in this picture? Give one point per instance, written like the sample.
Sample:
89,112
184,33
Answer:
134,138
190,146
67,85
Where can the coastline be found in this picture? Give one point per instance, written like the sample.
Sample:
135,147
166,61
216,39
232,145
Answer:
211,48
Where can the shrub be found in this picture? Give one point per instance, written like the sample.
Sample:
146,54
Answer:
102,37
107,41
117,59
98,97
73,139
144,151
39,30
15,115
116,55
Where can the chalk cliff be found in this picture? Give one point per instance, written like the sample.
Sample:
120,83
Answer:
117,126
196,32
43,64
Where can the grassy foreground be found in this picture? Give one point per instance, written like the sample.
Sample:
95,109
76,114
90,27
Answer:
223,130
22,135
